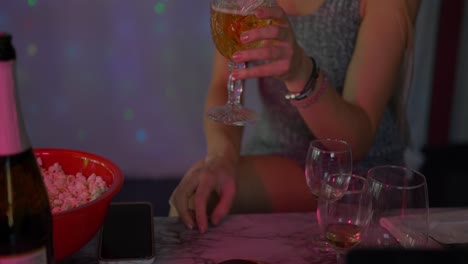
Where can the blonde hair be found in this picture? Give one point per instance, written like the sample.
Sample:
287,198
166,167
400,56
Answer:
401,97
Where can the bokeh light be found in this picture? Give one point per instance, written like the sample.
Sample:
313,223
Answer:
82,134
87,70
128,114
141,135
32,3
32,49
159,8
71,52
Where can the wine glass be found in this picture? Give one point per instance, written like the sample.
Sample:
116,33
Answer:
325,157
400,202
343,221
229,18
328,157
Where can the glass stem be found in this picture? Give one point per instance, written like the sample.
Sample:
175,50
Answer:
235,87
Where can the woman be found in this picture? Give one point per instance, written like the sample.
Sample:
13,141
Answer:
346,57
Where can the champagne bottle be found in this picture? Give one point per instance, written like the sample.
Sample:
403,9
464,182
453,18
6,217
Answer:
25,216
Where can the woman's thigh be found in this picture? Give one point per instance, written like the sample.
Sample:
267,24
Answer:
267,184
271,183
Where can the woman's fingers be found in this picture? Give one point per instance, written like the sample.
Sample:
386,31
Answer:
279,29
278,68
273,32
182,196
227,194
277,50
195,192
265,53
275,13
180,200
204,190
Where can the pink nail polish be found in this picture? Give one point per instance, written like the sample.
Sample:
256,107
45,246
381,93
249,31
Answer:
234,75
244,37
236,56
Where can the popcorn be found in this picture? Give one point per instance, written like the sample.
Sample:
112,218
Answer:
69,191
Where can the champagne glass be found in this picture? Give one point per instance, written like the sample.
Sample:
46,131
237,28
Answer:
344,220
229,18
400,201
328,157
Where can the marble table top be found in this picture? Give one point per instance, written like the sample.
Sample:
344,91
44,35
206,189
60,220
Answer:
267,238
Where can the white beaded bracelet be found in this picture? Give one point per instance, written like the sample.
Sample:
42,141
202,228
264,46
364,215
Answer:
309,87
312,99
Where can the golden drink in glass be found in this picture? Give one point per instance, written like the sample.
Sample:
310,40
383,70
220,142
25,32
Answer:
343,235
228,19
227,26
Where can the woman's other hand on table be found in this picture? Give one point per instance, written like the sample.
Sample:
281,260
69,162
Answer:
194,197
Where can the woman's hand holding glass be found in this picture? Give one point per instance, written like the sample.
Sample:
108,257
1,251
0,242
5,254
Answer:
280,55
229,19
254,31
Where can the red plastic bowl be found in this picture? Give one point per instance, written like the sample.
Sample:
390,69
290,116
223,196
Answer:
74,228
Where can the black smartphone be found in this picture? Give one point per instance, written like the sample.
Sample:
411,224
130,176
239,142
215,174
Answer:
127,234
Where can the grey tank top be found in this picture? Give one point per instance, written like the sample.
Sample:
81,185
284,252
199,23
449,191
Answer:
329,35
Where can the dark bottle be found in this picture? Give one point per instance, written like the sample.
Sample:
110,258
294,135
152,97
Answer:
25,216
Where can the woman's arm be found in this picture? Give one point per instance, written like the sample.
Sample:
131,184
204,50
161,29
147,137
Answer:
216,173
371,78
370,81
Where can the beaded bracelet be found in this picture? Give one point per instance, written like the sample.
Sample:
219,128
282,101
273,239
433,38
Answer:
309,87
312,99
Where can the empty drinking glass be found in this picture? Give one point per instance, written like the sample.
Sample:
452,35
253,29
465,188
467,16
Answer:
400,204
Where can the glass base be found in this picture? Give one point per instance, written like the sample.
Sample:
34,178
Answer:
321,245
230,114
